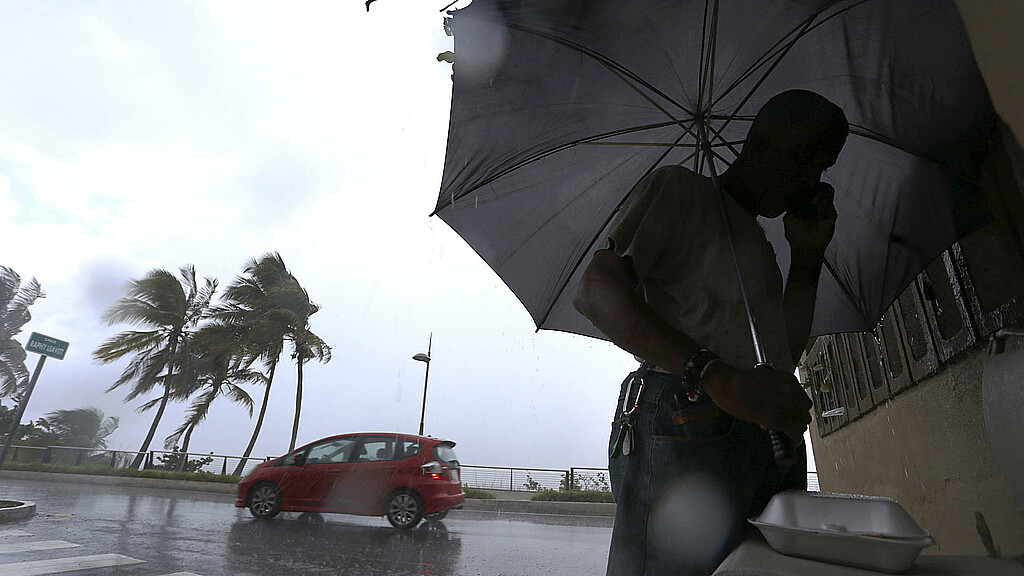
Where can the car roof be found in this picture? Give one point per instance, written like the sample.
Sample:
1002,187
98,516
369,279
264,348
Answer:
415,437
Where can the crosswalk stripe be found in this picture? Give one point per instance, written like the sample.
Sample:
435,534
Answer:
58,565
15,547
13,533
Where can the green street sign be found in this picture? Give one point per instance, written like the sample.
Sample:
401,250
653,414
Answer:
47,346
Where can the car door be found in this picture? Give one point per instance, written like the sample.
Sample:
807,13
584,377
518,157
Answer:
362,488
312,484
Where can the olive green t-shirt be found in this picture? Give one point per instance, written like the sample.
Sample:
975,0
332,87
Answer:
671,226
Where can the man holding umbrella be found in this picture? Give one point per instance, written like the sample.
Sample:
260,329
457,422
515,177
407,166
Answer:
690,455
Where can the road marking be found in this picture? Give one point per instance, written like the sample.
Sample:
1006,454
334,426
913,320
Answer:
58,565
13,533
15,547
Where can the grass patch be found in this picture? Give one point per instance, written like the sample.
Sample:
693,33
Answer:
123,472
478,494
572,496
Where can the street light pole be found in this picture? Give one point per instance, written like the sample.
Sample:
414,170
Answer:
425,358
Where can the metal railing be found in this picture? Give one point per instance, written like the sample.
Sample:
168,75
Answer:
537,479
165,460
480,477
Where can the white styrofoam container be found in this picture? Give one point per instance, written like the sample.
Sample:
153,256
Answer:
863,531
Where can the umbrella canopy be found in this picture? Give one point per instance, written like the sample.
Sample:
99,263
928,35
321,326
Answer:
560,107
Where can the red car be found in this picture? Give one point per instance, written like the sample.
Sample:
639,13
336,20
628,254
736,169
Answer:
402,476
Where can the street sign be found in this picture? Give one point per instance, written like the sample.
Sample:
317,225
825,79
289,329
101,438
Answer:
47,346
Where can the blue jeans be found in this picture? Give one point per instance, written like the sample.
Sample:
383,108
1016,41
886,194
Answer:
692,477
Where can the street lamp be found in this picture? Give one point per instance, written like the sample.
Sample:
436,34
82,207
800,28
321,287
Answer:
425,358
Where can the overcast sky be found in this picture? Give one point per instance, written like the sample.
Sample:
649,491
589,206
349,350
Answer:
151,135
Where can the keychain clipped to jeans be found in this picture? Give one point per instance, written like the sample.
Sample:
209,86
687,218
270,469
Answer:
626,441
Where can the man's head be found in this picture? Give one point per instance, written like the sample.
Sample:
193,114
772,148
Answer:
794,137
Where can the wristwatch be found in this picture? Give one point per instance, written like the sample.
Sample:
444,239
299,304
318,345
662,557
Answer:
693,370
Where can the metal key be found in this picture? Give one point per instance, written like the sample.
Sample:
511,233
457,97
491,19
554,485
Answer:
627,440
619,441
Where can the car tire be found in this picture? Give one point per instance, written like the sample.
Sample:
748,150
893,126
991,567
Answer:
436,516
403,509
264,500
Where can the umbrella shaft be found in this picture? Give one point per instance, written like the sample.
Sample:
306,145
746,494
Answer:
762,358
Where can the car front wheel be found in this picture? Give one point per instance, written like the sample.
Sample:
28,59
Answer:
264,500
403,510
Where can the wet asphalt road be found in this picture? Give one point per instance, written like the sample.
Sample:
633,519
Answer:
204,534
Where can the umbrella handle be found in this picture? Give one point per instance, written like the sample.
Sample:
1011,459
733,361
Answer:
783,447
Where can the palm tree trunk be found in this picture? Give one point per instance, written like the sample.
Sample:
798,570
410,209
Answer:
298,407
183,452
172,347
259,423
141,456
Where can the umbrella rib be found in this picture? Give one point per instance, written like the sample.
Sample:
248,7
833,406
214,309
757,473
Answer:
863,132
764,77
700,68
778,46
846,291
606,61
545,153
642,94
593,240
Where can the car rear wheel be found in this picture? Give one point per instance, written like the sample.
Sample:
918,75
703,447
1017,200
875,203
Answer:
403,510
436,516
264,500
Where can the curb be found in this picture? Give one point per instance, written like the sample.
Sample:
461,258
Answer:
23,510
191,485
500,506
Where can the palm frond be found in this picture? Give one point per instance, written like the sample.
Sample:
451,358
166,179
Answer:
130,342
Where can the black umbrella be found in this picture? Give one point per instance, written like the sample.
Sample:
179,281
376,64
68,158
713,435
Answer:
560,107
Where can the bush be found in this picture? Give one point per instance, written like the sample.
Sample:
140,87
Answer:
573,496
123,472
478,494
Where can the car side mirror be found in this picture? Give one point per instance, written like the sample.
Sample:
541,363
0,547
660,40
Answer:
300,459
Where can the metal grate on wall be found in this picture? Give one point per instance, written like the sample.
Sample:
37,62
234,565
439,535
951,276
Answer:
964,296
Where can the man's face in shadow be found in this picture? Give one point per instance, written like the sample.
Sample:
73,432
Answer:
789,170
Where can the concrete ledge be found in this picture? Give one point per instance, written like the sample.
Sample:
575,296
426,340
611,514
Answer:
23,510
192,485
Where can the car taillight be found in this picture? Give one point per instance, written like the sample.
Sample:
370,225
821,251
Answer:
432,469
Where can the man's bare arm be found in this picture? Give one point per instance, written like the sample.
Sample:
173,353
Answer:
606,297
798,304
808,238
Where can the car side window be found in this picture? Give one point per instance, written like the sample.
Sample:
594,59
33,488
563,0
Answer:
377,449
331,452
291,459
408,449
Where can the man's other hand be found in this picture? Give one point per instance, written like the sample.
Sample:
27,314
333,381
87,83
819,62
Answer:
771,398
809,229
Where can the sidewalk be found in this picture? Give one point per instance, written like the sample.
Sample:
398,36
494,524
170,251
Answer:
507,501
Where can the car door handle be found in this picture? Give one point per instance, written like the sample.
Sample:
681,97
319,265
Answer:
390,469
337,471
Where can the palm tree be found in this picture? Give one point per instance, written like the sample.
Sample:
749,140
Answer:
14,302
161,357
217,371
306,346
80,427
269,307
